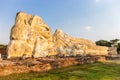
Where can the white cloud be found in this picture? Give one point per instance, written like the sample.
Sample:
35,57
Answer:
97,1
106,1
88,28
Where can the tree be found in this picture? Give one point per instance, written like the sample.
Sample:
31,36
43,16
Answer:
103,43
3,46
118,48
114,42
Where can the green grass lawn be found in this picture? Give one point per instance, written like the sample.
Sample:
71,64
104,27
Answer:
95,71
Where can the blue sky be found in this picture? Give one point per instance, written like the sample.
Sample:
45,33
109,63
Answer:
90,19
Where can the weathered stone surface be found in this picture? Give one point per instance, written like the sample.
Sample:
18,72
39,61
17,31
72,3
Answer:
30,36
112,51
16,65
67,45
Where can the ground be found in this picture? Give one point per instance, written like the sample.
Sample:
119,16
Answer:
93,71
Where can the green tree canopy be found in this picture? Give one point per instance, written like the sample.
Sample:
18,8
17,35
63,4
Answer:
114,42
3,46
103,43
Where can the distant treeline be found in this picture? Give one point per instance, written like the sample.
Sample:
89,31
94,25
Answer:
3,46
111,43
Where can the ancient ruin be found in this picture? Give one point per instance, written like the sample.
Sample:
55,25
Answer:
33,47
32,37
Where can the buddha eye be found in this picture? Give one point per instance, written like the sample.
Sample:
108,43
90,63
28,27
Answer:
15,49
25,22
30,21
